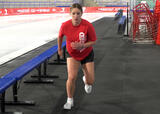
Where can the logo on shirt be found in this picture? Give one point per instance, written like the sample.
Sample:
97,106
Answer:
82,37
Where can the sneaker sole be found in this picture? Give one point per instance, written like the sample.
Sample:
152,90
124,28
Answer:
65,108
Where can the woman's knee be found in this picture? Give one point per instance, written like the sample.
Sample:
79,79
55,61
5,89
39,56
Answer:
72,78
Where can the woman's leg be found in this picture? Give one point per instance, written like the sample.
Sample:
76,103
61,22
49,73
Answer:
88,70
73,68
88,78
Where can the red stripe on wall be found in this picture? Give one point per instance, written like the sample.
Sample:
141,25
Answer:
25,11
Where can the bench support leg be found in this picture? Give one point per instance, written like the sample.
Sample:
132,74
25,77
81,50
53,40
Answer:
15,98
2,103
60,61
45,75
39,80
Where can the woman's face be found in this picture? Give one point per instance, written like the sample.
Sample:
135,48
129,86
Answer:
76,16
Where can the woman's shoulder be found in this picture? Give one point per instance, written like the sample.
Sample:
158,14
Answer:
86,22
67,22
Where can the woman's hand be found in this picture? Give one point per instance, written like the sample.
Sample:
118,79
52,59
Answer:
77,45
60,53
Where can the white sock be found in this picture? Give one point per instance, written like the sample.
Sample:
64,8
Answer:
70,100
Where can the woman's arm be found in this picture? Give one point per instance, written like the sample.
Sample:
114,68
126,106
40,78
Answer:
60,52
79,46
88,44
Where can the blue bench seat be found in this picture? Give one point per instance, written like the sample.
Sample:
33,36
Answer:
21,71
6,83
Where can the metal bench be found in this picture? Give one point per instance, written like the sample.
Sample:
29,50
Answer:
17,74
5,83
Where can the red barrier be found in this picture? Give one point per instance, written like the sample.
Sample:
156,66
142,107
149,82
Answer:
143,23
157,8
158,33
24,11
157,17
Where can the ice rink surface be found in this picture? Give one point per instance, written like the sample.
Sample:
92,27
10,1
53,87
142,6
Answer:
22,33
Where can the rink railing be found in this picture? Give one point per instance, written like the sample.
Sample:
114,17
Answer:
30,4
56,3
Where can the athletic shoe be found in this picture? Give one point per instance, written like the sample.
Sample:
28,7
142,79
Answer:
68,105
88,88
